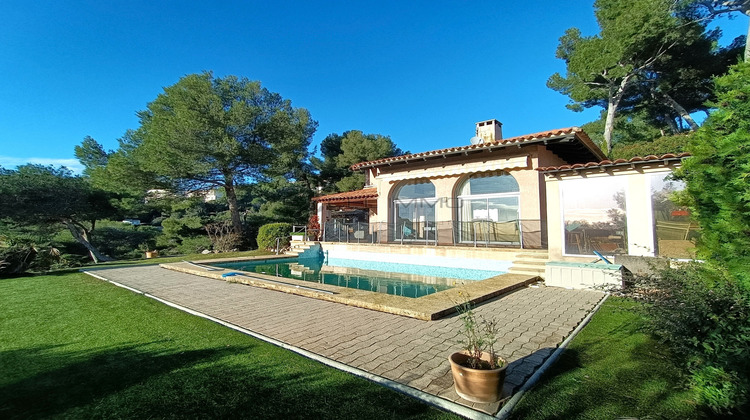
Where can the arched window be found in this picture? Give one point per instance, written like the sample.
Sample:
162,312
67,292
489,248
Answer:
414,212
489,183
412,191
488,206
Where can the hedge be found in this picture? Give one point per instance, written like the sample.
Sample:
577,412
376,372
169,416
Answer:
267,235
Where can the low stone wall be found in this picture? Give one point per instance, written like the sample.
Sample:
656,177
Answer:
582,275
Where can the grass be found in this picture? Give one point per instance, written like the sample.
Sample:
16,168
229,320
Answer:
160,260
190,257
612,369
74,347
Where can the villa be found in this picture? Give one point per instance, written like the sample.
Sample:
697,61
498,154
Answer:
546,203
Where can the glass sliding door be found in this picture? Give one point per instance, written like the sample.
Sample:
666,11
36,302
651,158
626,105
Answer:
503,212
489,209
676,232
414,213
491,219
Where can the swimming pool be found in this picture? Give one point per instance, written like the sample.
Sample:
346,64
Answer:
395,279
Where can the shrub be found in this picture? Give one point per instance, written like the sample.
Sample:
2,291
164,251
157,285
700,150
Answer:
120,240
223,237
19,256
193,245
717,389
313,227
703,314
659,146
717,176
16,259
267,235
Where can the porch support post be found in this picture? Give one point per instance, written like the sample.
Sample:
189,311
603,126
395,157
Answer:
322,217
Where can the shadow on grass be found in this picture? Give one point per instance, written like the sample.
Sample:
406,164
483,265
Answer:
64,380
520,370
226,382
640,382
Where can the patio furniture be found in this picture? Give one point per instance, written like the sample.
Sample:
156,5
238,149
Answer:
575,239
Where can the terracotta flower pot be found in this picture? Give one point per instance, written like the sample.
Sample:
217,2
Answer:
477,385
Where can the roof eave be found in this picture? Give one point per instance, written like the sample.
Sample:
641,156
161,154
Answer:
405,159
666,159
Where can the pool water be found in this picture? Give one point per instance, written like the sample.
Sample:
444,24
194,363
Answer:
424,270
408,280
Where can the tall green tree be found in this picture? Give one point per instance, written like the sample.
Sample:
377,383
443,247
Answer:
681,82
635,63
42,195
342,151
718,175
205,132
117,172
92,155
710,9
279,200
660,103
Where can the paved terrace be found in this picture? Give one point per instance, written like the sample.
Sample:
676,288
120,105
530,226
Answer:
533,322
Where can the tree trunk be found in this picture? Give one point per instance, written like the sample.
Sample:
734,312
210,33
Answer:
680,110
609,124
82,236
672,124
612,104
234,211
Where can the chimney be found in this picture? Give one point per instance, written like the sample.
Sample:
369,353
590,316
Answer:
490,130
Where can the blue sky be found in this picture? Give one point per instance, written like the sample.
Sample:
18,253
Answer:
420,72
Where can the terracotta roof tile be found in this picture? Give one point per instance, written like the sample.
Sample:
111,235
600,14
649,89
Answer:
349,195
636,159
509,141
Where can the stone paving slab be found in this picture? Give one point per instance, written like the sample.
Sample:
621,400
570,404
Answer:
413,352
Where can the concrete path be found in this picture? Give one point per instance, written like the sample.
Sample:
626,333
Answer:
533,322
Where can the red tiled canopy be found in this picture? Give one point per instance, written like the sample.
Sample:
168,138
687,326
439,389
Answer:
616,162
349,197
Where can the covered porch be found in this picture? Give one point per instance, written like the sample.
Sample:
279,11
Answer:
345,217
352,217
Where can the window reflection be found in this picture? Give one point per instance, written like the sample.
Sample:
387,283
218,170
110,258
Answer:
594,216
675,232
488,209
414,212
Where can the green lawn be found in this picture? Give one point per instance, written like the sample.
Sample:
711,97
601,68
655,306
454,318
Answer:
191,257
75,347
612,369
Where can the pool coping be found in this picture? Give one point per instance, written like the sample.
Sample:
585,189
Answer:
427,308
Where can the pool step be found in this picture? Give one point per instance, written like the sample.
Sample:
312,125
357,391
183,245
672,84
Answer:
300,268
304,249
298,247
529,263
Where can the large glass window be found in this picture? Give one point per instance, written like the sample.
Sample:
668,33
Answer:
675,232
594,215
414,212
488,209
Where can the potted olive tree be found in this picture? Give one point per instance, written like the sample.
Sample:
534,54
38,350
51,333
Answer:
478,372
